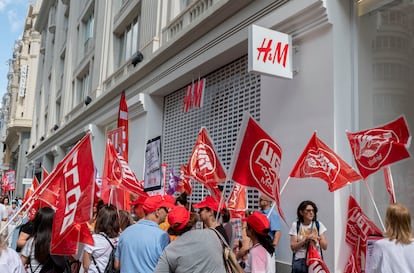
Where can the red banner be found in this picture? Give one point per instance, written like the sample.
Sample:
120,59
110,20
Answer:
358,228
184,185
73,178
315,262
256,160
123,123
204,165
318,160
378,147
237,202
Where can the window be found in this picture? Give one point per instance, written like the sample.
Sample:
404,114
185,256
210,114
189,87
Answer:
129,41
82,89
88,31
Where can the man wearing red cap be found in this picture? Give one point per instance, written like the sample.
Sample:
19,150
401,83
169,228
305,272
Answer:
141,244
194,251
209,208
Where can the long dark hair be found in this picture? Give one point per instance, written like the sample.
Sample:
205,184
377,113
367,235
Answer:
42,227
107,221
264,240
303,206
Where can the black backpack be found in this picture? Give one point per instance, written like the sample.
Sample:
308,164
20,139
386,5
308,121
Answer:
110,268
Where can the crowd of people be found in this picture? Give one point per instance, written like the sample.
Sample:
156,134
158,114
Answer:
164,235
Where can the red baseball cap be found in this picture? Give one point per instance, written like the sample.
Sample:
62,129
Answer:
152,203
259,222
139,201
170,199
178,215
208,202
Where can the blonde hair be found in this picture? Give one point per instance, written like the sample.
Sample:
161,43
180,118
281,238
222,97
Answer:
398,223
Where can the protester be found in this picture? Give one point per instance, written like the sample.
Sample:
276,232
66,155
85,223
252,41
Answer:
26,230
13,220
394,253
137,208
10,261
3,218
195,251
141,244
96,207
261,258
306,230
209,208
95,258
36,252
125,220
265,204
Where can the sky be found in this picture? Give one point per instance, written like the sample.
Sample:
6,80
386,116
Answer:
12,17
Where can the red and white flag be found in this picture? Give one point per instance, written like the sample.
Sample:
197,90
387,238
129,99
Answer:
389,184
45,173
378,147
123,123
118,174
184,185
73,178
353,265
318,160
315,262
205,165
256,160
358,228
237,201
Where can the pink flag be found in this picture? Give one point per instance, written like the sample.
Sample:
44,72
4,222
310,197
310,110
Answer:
256,160
204,165
378,147
318,160
315,262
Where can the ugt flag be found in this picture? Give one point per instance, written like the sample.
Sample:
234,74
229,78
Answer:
318,160
256,160
315,262
75,177
205,165
378,147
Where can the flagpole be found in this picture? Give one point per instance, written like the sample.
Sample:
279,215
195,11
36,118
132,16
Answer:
284,185
375,205
14,216
223,193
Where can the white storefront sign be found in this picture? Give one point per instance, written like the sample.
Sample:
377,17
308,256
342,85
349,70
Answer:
270,52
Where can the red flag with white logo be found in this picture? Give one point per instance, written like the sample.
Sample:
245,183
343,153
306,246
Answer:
318,160
358,228
74,177
315,262
123,123
378,147
184,185
353,265
237,201
256,160
205,165
118,178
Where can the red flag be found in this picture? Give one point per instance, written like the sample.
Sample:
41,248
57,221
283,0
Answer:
214,191
353,265
30,191
389,183
378,147
74,179
204,165
123,123
256,160
318,160
45,173
237,202
315,262
358,227
118,174
184,185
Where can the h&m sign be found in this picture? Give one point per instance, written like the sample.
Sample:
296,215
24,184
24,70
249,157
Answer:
270,52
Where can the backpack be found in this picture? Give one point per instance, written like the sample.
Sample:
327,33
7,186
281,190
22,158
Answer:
317,228
110,268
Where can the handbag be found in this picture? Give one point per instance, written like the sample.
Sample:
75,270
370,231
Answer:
230,261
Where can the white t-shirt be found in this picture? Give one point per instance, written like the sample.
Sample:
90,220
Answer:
387,257
10,261
28,252
3,212
100,251
303,231
260,261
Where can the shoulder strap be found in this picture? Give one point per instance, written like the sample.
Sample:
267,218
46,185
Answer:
109,241
317,226
96,265
221,238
